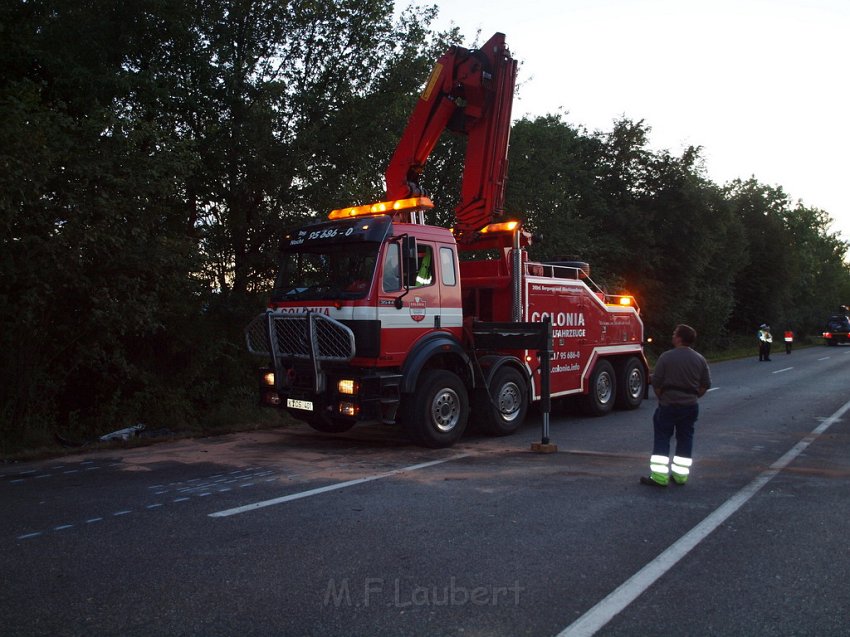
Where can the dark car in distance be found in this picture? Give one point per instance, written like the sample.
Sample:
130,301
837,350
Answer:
837,330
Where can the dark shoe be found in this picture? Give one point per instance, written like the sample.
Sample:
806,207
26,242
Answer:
651,482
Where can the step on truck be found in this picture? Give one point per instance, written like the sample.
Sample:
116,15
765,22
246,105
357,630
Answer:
378,317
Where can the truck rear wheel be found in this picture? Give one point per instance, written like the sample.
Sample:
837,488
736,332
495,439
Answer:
502,410
631,384
602,391
436,414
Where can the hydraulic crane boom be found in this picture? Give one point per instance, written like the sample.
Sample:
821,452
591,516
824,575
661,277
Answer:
470,91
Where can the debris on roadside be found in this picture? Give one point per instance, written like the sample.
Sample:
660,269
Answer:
123,434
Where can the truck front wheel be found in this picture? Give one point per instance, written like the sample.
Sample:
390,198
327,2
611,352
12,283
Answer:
435,415
502,407
602,390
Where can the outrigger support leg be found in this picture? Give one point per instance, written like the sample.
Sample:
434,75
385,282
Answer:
545,353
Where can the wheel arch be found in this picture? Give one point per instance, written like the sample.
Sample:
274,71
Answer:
439,351
489,365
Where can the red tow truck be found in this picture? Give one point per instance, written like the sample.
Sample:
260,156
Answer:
377,317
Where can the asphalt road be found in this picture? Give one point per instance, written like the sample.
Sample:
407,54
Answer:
288,532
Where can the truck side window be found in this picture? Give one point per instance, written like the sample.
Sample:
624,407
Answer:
425,274
447,266
391,276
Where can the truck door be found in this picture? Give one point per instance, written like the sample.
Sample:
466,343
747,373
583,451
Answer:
415,285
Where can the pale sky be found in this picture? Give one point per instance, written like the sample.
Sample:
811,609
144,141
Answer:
761,85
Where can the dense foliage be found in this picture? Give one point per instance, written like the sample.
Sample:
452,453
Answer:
152,152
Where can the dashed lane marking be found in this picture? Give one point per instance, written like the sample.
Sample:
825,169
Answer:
47,472
27,536
779,371
179,492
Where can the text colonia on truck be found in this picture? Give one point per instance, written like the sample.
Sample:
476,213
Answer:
374,314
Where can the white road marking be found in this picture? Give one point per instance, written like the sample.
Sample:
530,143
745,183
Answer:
712,389
29,535
825,358
779,371
330,487
595,618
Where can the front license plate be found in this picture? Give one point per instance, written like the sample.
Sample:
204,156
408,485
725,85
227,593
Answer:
306,405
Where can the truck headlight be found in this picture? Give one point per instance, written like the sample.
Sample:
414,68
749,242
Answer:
347,386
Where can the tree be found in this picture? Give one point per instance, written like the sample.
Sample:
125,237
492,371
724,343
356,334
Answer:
763,286
818,272
94,257
152,155
552,186
280,100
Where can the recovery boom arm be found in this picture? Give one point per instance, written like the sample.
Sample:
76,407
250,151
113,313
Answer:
470,91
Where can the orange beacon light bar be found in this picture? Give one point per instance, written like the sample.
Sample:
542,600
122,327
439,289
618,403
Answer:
504,226
382,207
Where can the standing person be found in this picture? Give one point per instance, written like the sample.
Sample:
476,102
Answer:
789,340
680,378
765,339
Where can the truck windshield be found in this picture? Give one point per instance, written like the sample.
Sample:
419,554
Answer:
326,273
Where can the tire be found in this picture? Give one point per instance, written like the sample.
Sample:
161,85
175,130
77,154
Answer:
436,414
631,384
602,391
502,411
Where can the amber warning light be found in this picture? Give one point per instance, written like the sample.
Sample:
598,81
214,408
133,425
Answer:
382,207
505,226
